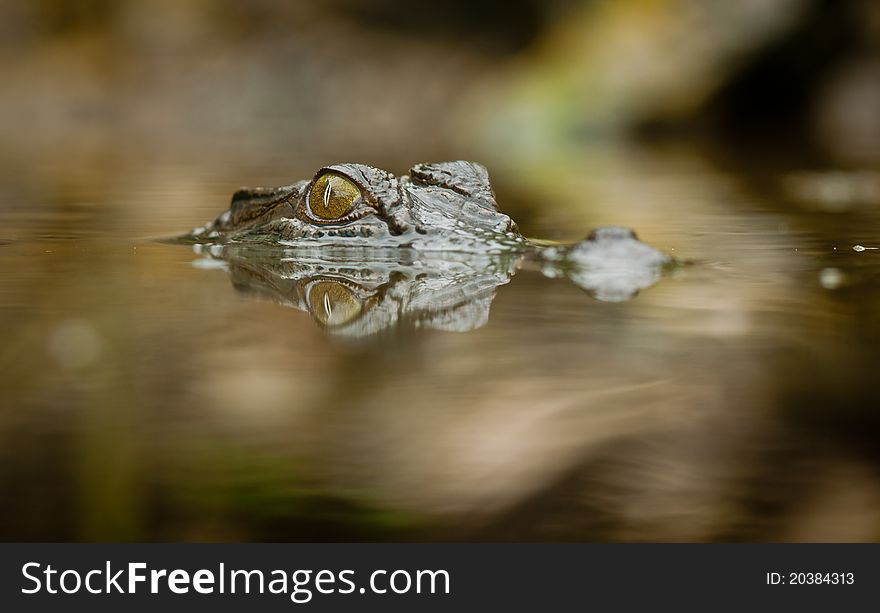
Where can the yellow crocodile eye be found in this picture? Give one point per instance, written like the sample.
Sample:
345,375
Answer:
332,196
333,304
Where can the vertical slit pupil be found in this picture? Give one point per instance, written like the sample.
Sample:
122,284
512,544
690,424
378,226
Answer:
332,196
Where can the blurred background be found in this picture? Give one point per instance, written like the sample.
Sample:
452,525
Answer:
143,399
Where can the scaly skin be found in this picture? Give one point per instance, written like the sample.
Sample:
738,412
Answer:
436,207
356,240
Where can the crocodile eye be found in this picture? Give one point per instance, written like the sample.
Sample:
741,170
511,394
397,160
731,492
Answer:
332,196
333,304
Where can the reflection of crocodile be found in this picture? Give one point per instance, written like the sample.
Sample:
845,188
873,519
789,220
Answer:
349,297
428,247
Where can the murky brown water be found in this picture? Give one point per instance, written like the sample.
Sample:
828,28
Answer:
146,398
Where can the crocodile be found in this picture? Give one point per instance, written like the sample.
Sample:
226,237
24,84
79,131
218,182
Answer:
362,249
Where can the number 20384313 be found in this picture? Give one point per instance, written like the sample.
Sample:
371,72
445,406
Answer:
815,578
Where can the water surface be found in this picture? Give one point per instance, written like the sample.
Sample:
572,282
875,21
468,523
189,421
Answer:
150,395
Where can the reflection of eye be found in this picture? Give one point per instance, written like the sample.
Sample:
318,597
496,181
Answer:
333,304
332,196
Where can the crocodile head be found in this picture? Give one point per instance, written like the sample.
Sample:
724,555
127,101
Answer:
448,206
374,237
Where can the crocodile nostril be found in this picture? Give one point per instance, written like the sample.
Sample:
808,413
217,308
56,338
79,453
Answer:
612,233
